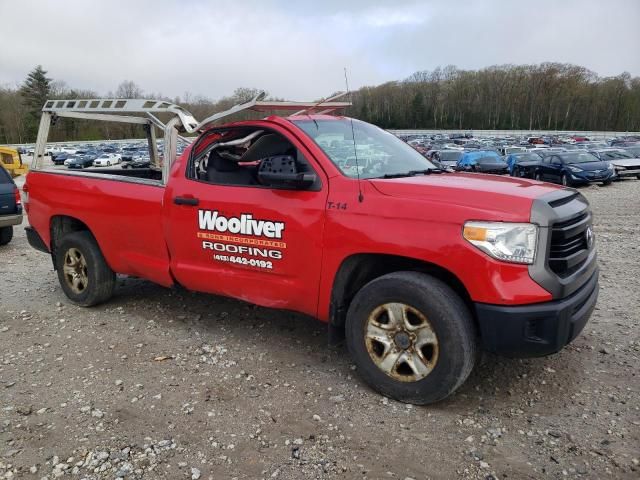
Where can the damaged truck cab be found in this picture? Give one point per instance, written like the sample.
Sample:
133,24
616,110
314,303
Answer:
416,267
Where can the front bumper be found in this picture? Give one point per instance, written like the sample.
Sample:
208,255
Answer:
628,172
10,220
538,329
589,177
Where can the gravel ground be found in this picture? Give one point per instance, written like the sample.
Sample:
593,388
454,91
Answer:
163,383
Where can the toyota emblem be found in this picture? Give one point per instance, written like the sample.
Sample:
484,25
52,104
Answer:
588,235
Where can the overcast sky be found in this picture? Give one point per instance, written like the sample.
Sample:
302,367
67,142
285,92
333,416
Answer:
298,49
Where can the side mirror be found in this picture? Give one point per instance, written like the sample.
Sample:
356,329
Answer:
282,172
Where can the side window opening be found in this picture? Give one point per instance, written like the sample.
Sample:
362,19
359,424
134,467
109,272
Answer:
234,158
7,158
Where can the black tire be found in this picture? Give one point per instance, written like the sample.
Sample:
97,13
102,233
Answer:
638,177
448,317
6,234
538,176
516,172
606,183
564,180
101,279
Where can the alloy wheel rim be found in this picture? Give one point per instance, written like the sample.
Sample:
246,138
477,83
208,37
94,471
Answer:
401,342
75,270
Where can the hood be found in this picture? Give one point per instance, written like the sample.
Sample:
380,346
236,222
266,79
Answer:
509,198
591,166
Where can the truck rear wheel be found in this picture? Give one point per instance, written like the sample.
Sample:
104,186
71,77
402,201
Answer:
6,234
84,275
412,337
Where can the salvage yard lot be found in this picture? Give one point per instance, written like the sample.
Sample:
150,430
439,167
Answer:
163,383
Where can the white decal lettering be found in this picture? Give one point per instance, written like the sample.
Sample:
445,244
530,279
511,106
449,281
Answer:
207,219
243,225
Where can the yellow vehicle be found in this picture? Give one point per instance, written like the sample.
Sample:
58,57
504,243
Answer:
11,160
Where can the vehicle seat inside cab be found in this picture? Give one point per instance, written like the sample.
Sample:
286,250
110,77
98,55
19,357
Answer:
225,171
228,169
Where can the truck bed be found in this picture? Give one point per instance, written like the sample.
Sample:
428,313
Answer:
122,209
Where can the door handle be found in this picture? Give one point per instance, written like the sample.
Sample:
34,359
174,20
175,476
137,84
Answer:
190,201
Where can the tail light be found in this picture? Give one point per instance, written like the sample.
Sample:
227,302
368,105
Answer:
16,196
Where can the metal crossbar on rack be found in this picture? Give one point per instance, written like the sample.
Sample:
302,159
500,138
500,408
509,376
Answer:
89,108
257,104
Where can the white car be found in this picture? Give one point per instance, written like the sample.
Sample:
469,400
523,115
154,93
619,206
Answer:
107,159
504,151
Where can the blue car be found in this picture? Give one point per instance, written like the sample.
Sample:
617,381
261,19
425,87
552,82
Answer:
482,161
575,168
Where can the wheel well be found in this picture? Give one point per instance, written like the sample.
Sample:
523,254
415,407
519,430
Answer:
358,270
60,226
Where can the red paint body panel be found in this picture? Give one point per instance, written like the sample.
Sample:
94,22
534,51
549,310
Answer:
125,218
143,233
293,281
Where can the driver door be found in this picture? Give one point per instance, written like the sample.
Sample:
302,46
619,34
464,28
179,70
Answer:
252,242
555,170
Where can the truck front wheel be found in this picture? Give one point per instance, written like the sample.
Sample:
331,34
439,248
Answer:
84,275
412,337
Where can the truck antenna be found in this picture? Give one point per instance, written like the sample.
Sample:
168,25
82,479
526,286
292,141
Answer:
353,136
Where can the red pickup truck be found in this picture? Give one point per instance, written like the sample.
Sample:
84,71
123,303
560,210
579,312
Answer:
418,268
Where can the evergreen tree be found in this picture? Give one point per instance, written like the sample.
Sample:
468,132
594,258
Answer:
34,92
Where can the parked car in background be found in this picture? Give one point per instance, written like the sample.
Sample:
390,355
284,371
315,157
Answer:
81,161
575,168
482,161
546,150
129,153
107,160
505,151
137,162
523,164
448,158
624,163
10,206
60,158
634,150
58,150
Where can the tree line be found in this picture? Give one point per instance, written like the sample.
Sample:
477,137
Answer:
548,96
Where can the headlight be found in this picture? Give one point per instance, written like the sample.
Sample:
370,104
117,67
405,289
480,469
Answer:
510,242
574,169
610,167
